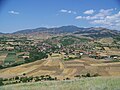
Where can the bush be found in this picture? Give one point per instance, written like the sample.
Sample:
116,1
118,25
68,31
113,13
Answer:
77,76
1,67
24,74
67,78
24,79
55,78
88,75
5,79
1,82
42,77
95,75
30,78
16,78
37,79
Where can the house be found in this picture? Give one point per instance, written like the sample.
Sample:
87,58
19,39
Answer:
24,57
115,57
9,48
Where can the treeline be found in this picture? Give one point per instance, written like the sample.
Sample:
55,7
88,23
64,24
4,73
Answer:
87,75
25,79
33,56
36,55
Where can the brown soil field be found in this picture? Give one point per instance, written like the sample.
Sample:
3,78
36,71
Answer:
57,67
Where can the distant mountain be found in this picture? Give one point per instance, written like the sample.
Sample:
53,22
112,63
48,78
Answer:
29,31
63,29
98,32
91,32
1,33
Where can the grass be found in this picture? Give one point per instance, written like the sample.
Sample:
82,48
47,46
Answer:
96,83
11,57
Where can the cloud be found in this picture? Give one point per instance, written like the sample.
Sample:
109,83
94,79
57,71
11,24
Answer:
85,17
89,12
100,15
103,13
63,10
111,20
67,11
78,17
13,12
105,17
74,12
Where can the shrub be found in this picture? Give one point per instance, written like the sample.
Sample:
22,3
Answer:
5,79
88,75
24,79
67,78
95,75
55,78
24,74
16,78
1,82
37,79
77,76
30,78
42,77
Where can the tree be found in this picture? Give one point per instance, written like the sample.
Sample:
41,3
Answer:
36,55
37,79
1,67
77,76
55,78
42,77
50,54
30,78
24,79
67,78
88,75
1,82
24,74
16,78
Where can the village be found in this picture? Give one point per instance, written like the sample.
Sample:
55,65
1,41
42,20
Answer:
15,50
59,44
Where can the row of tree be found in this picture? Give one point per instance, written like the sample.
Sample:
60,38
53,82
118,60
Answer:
87,75
25,79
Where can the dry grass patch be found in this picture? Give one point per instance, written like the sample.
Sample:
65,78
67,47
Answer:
97,83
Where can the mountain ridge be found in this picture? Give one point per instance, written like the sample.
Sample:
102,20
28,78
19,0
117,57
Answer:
62,29
90,32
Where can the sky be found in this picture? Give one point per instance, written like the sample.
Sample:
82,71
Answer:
28,14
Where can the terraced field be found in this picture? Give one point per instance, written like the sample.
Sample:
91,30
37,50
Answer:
61,69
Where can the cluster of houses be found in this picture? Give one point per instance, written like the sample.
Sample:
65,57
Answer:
74,50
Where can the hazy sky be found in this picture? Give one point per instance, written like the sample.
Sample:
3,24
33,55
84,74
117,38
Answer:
24,14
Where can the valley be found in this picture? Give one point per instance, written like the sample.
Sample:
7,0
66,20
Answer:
33,57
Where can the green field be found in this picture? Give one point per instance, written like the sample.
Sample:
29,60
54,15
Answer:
96,83
11,58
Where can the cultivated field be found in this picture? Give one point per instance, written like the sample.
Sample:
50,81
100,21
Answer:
2,56
56,67
97,83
